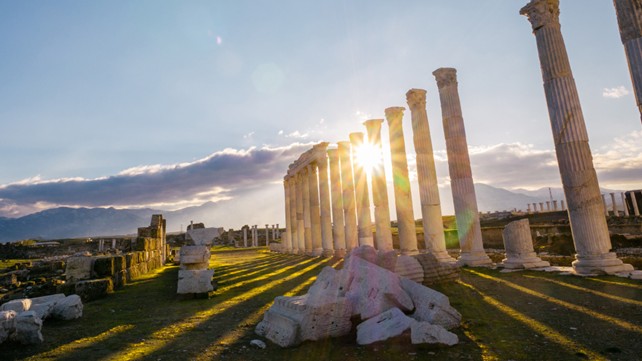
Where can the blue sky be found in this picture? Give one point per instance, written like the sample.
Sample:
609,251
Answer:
108,103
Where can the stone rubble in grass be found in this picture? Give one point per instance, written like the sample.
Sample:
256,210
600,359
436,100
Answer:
7,324
387,304
193,276
27,328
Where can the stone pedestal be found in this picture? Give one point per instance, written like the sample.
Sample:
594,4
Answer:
383,236
629,18
461,178
338,227
518,244
434,238
364,222
347,184
403,199
581,188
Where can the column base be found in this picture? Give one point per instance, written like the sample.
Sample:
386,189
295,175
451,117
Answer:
366,241
327,253
606,263
409,252
317,252
339,253
474,259
522,264
443,257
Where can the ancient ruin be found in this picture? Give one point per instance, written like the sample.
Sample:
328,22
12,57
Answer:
629,18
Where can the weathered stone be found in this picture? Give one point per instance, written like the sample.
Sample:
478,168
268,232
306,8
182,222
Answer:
518,244
193,266
372,289
431,306
43,310
28,326
20,305
279,328
424,332
365,252
119,263
328,285
78,268
7,324
195,254
94,289
68,308
436,272
383,326
103,267
410,268
194,281
387,260
46,299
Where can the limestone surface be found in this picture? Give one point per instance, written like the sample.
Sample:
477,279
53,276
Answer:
388,324
518,244
195,281
19,305
431,306
436,272
78,268
409,268
195,254
68,308
424,332
28,326
7,324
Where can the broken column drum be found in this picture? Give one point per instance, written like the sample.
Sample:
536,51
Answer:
629,18
461,178
364,222
518,244
383,234
338,225
581,188
347,184
401,182
434,238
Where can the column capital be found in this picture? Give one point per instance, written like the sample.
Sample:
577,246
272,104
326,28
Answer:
394,114
416,98
343,144
373,124
445,77
356,138
333,153
542,13
629,17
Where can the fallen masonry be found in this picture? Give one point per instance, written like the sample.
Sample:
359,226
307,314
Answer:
193,276
387,304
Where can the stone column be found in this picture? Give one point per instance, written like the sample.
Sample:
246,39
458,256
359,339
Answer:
364,222
541,206
277,231
324,195
614,205
518,244
434,238
293,221
606,209
347,184
338,226
245,237
287,242
300,215
548,206
267,235
461,177
306,213
383,234
563,205
581,188
403,199
626,209
529,208
315,210
636,210
629,18
555,206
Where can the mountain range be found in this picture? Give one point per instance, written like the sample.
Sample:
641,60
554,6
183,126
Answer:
65,222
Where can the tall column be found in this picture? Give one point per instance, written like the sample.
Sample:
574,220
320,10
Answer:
277,231
563,205
555,206
267,235
606,209
529,208
287,241
629,18
541,206
364,222
401,181
614,205
300,215
548,206
324,195
306,213
432,221
581,188
461,177
383,234
338,226
245,237
294,232
315,210
626,209
636,210
347,184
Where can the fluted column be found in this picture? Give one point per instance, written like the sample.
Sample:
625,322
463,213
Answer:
338,226
383,234
555,206
581,188
306,212
614,205
626,209
461,177
364,222
432,221
287,240
293,221
629,18
347,184
324,195
401,181
300,214
636,210
315,210
245,237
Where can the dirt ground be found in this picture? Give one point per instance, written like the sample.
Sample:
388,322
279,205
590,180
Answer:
506,316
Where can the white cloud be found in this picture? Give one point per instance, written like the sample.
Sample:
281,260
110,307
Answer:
248,135
615,93
297,134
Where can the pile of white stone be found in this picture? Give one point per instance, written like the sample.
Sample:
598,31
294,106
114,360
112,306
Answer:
21,320
387,304
194,277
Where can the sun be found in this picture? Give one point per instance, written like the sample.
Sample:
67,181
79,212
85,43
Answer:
367,156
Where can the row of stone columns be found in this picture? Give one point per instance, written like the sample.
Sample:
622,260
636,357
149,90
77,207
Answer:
551,206
625,208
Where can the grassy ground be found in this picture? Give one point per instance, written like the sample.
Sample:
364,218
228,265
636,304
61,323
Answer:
507,316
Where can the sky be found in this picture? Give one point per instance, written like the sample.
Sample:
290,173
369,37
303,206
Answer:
168,104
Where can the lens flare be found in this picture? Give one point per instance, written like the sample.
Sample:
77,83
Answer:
367,156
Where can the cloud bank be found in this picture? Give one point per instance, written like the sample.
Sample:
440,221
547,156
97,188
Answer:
615,93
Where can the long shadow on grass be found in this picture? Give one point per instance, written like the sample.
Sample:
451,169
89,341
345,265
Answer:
226,279
239,266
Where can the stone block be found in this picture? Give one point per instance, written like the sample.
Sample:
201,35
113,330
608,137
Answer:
7,324
143,244
43,310
28,326
103,267
129,260
436,272
20,305
408,267
425,333
279,328
194,266
46,299
119,263
194,281
94,289
68,308
372,289
388,324
195,254
387,260
78,268
120,279
431,306
328,285
365,252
